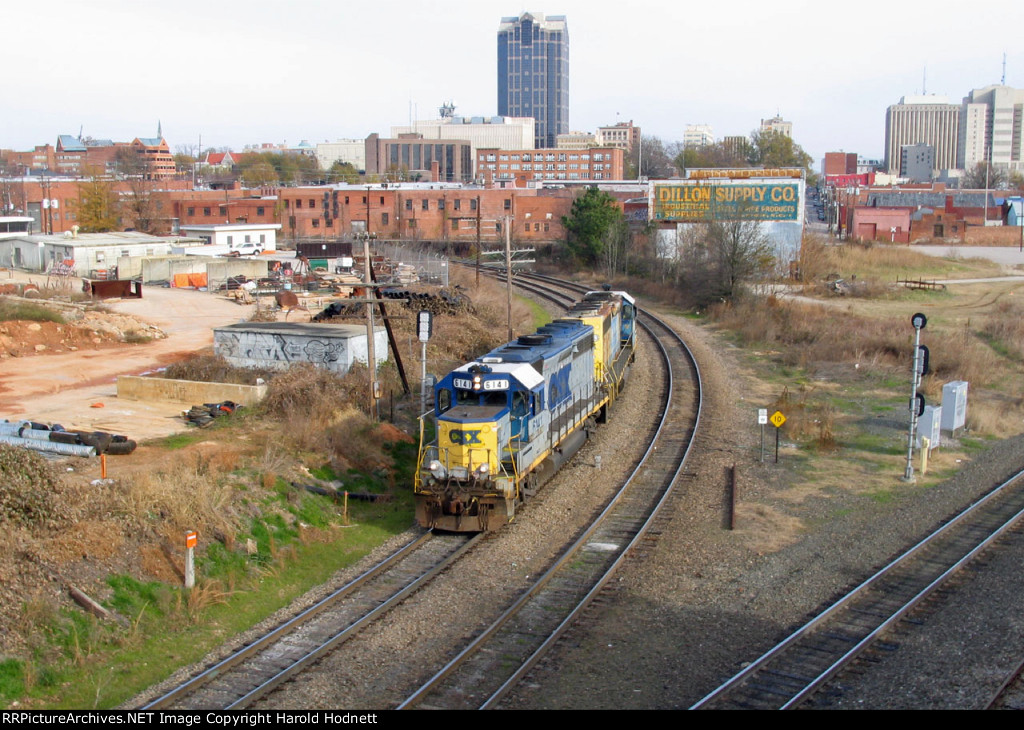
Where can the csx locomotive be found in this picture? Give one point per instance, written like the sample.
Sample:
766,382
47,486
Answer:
506,422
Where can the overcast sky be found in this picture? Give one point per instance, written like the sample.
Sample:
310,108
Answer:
243,72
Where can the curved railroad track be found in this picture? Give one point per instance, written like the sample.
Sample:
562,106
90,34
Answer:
791,673
493,662
253,671
256,670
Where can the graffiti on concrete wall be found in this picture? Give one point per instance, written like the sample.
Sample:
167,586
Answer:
268,349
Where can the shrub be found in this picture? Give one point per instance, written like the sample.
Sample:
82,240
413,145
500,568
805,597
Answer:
210,368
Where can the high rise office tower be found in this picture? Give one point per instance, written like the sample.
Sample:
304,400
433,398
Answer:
930,120
533,73
992,128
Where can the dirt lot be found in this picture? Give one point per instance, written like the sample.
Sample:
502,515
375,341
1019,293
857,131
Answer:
63,374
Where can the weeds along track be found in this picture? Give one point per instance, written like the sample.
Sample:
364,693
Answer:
280,654
795,670
504,652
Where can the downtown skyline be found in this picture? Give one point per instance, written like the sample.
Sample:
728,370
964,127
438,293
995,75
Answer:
245,73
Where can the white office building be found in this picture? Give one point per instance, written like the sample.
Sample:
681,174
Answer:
990,128
929,120
503,133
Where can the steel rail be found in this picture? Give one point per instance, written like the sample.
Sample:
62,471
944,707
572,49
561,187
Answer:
861,590
223,667
558,567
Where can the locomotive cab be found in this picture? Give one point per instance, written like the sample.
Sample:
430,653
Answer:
507,422
472,469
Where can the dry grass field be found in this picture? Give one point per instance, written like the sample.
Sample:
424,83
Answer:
838,364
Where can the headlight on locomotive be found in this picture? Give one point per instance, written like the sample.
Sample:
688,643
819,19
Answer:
436,468
482,471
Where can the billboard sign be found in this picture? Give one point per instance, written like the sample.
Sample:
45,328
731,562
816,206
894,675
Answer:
733,173
703,201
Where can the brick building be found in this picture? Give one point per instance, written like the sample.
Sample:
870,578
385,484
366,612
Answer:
422,212
840,163
917,213
532,166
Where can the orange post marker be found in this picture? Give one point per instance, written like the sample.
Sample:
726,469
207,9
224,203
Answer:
103,466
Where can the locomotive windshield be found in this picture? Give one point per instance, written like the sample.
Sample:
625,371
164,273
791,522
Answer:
481,398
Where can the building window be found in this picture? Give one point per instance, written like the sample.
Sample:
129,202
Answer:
223,209
298,203
412,223
312,202
472,203
191,211
408,204
263,238
248,238
508,204
458,204
206,211
260,210
384,219
231,239
440,204
346,200
426,204
316,223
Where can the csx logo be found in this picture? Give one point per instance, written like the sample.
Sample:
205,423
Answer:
559,390
464,438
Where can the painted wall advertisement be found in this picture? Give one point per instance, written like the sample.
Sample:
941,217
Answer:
768,201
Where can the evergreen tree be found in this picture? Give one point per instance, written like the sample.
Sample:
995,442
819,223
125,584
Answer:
592,217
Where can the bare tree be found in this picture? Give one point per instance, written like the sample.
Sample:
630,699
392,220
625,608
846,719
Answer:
716,260
615,249
984,177
139,205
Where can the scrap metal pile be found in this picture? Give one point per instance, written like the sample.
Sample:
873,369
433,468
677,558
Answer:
447,300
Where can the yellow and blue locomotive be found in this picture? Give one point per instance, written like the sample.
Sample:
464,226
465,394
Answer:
506,422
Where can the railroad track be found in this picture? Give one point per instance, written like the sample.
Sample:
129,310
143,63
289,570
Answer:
1010,695
504,652
253,671
791,673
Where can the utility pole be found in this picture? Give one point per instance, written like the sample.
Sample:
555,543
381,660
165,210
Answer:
508,271
478,241
371,296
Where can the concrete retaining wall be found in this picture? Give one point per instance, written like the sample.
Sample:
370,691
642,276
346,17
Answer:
217,270
133,387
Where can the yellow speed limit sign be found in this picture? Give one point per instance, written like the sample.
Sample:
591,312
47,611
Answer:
778,419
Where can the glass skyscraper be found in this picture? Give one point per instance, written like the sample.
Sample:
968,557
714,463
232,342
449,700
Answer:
533,73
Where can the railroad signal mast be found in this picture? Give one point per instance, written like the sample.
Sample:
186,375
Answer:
919,321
